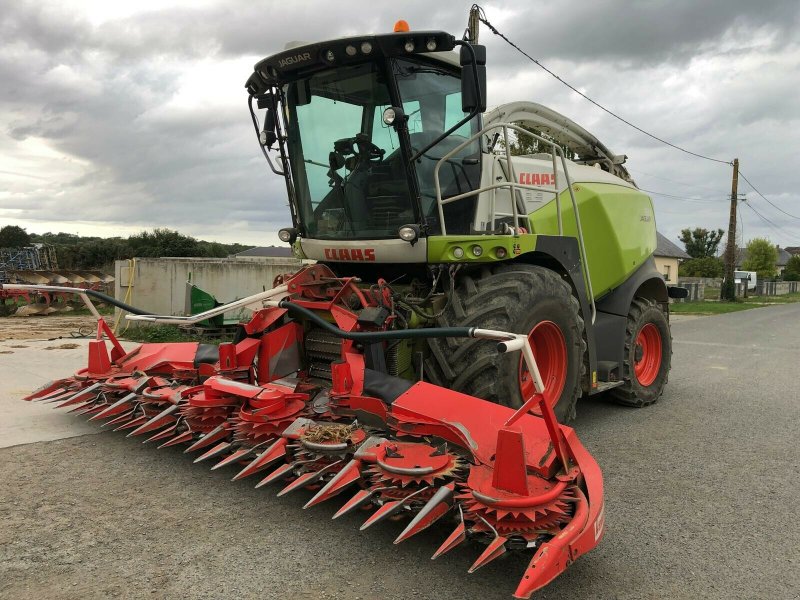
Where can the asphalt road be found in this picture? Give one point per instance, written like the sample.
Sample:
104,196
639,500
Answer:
701,500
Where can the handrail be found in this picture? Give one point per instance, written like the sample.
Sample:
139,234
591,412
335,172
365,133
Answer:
513,185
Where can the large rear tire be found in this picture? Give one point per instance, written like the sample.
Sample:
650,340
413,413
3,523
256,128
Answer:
518,298
648,355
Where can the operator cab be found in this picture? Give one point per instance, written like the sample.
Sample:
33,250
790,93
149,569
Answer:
360,124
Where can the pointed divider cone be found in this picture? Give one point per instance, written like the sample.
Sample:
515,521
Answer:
236,456
274,452
215,451
55,396
127,416
162,419
434,509
211,437
360,497
87,409
388,509
78,408
52,388
163,434
281,471
349,474
132,423
81,396
302,481
119,407
495,548
454,539
181,438
308,478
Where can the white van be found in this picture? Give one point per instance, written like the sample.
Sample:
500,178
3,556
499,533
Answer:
746,276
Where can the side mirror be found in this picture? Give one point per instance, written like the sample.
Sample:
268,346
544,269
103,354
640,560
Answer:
473,90
268,135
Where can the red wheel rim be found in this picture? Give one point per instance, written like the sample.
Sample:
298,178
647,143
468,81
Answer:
648,354
550,352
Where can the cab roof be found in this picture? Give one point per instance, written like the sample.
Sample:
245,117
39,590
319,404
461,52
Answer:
301,60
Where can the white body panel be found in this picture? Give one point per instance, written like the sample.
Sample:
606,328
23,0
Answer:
367,251
536,170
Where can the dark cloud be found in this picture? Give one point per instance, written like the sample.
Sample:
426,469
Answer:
135,147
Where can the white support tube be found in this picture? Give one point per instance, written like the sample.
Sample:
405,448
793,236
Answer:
510,342
54,288
256,300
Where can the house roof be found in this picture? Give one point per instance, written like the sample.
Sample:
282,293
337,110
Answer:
783,256
668,249
274,251
793,250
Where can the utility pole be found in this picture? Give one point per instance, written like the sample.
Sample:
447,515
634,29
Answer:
729,287
473,24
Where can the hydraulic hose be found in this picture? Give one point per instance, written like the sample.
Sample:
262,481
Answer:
376,336
114,301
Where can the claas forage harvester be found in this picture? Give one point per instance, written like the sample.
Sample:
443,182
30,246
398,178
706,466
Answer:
463,298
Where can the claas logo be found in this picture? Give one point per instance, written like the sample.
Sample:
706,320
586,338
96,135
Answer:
537,179
353,254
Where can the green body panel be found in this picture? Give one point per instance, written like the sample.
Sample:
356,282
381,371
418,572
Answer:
619,229
441,247
619,232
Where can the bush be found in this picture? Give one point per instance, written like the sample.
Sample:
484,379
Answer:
702,267
792,270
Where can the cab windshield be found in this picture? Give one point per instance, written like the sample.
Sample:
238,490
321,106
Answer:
350,175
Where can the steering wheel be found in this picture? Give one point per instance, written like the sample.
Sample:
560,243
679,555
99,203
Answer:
357,149
367,150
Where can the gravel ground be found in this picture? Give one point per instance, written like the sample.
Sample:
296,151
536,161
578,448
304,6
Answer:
701,500
45,327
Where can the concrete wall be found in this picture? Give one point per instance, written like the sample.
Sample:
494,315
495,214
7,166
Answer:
696,292
668,267
158,285
776,288
714,282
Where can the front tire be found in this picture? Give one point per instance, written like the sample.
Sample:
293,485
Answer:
517,298
648,355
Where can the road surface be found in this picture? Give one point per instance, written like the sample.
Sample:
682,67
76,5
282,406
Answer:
701,499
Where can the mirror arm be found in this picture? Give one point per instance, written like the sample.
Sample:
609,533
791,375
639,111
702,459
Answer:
258,133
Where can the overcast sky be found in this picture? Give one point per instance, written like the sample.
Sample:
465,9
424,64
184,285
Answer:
120,116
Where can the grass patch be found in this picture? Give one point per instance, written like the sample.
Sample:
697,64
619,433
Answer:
784,299
712,307
709,308
161,334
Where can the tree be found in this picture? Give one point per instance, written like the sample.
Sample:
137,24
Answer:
792,270
12,236
163,242
709,266
525,144
761,258
700,242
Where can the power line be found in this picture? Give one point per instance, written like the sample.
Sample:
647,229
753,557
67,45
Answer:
772,225
685,199
767,199
494,30
693,185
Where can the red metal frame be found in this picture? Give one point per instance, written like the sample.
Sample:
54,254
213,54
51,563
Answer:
506,477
